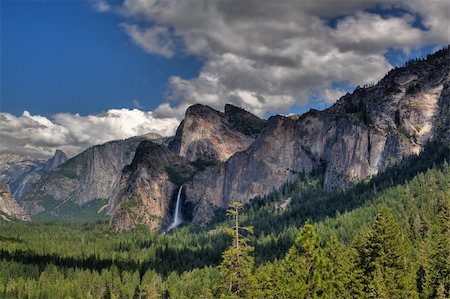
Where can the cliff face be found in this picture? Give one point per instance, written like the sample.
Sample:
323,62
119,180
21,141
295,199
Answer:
86,177
363,133
58,158
20,173
212,135
9,208
146,187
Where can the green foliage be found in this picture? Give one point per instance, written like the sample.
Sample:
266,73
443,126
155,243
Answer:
386,237
246,123
201,164
383,257
179,174
436,263
359,110
69,211
346,277
306,269
237,265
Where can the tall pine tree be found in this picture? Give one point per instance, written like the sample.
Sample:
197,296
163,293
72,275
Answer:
383,258
237,266
306,269
346,278
437,270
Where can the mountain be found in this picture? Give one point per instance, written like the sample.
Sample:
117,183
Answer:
20,172
212,135
146,187
146,192
9,208
364,132
83,183
59,158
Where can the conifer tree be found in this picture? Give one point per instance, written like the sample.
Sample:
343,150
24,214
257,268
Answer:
237,266
151,285
345,276
437,274
384,260
307,270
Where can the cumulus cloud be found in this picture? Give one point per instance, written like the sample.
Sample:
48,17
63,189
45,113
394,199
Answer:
39,137
269,55
263,55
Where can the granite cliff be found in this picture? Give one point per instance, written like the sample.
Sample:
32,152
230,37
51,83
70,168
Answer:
208,134
9,208
363,133
20,172
146,187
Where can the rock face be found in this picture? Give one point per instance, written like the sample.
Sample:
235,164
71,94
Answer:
20,173
9,208
145,189
59,158
212,135
363,133
88,176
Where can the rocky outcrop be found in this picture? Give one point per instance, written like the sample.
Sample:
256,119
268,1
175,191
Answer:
363,133
20,173
9,208
58,158
146,187
88,176
212,135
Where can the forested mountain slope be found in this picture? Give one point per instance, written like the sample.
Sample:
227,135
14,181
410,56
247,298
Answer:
407,206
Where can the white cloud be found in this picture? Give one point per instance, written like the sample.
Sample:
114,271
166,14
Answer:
156,39
101,6
262,55
269,56
38,136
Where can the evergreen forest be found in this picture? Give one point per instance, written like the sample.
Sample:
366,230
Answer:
385,237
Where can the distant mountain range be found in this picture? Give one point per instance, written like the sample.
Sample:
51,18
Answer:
233,155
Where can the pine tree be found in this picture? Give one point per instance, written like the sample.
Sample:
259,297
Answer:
151,285
437,274
345,276
384,260
237,266
307,270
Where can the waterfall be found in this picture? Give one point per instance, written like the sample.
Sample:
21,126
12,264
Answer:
177,215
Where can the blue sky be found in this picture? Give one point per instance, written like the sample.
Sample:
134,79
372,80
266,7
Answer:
75,73
62,56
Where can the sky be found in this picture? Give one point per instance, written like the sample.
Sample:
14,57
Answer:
78,73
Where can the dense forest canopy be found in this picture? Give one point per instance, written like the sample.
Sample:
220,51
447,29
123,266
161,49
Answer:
387,237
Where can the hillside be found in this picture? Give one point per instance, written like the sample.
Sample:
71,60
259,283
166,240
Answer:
82,186
414,196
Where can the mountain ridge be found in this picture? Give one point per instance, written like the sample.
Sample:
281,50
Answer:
364,132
